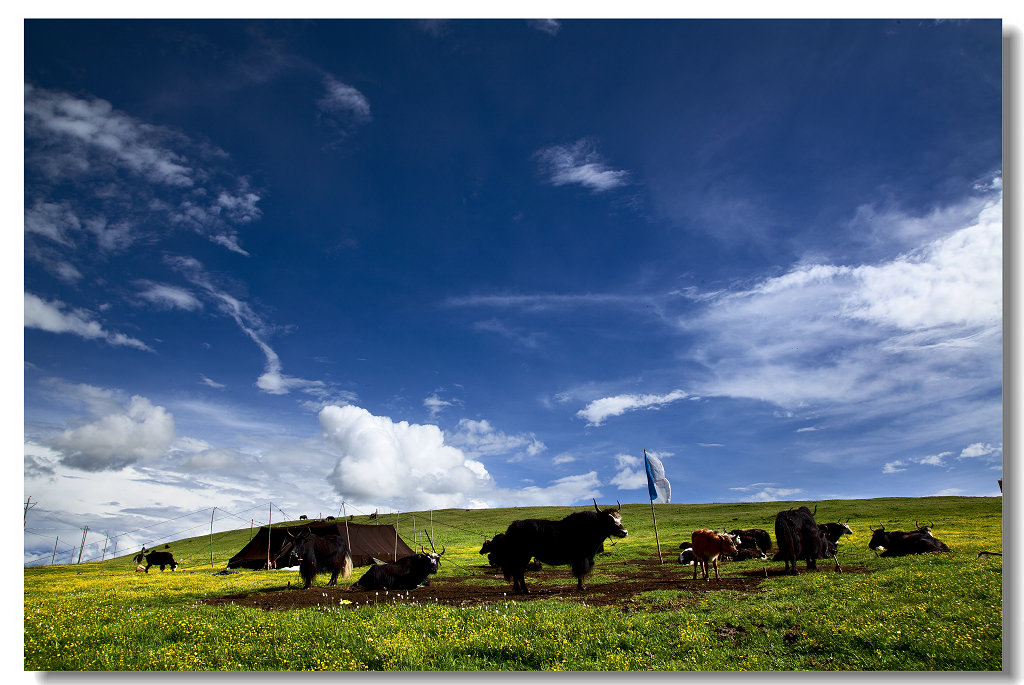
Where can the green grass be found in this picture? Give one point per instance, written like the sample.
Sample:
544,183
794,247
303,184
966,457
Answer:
933,612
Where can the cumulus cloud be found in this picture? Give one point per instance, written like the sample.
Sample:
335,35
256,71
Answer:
597,411
409,464
576,488
54,317
579,163
139,432
631,474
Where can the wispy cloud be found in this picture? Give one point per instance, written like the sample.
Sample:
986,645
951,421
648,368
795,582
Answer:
55,317
822,334
96,171
765,492
548,26
342,102
597,411
580,164
273,381
168,296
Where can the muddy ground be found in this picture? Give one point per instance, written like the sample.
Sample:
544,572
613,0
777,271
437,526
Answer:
488,586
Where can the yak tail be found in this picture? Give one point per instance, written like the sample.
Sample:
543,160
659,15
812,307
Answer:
346,569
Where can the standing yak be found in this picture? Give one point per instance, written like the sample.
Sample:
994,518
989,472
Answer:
799,537
320,553
574,541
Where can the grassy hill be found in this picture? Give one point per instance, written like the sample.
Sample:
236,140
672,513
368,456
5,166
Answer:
928,612
462,531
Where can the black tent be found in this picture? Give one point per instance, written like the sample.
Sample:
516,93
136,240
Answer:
365,542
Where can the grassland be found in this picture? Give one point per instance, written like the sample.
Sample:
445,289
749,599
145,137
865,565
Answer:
933,612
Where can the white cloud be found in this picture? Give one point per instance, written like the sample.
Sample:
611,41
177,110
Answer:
272,381
548,26
772,494
981,449
409,464
90,166
577,488
435,405
480,438
631,474
141,431
563,459
51,316
597,411
884,334
168,296
341,99
579,163
211,383
902,464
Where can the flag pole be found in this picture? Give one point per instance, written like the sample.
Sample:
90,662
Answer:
657,539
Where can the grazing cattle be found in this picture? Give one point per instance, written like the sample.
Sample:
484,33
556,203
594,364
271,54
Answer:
319,553
408,573
330,518
492,548
303,517
834,531
799,537
161,559
752,538
707,547
897,543
574,540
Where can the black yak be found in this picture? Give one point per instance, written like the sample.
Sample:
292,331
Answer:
574,540
318,554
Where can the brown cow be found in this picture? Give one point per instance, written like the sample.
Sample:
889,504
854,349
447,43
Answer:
707,547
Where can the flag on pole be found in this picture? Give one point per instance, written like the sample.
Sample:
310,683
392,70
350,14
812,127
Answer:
657,484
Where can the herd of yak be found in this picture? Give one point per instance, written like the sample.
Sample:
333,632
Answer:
579,537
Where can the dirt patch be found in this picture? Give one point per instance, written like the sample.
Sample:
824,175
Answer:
630,579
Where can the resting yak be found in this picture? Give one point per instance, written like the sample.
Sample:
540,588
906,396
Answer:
408,573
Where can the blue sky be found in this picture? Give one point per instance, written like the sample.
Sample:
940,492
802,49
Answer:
416,265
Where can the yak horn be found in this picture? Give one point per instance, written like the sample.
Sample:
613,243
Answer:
620,505
596,508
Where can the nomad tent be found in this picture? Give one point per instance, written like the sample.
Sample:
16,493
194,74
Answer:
366,543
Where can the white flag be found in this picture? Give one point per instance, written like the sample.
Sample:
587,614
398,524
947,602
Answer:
657,484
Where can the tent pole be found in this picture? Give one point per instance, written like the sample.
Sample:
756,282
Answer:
211,534
396,535
348,539
270,525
